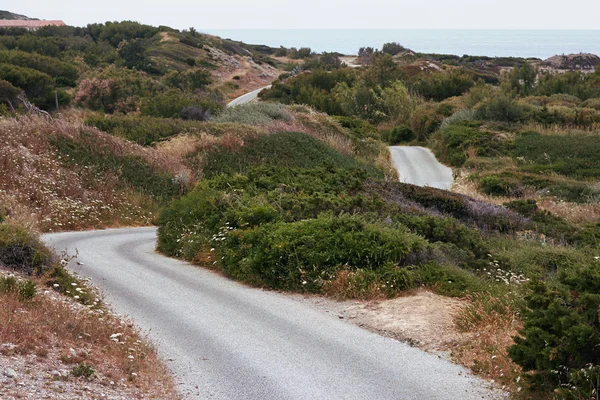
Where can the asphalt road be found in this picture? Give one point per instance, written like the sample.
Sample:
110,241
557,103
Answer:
224,340
246,98
418,165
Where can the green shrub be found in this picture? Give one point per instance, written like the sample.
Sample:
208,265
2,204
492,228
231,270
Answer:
589,236
255,114
425,120
499,108
442,85
138,129
82,370
20,250
398,134
37,85
302,255
570,155
171,103
24,289
561,332
63,72
285,149
457,141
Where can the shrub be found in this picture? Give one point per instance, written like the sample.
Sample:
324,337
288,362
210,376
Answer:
458,142
561,332
8,93
63,72
24,289
499,108
82,370
141,130
442,85
393,48
171,103
570,155
424,121
285,149
304,254
398,134
36,85
255,114
20,250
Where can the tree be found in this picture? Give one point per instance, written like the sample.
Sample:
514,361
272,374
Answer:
8,93
382,71
365,54
522,80
397,102
392,48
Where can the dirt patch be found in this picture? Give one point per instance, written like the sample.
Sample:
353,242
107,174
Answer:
422,318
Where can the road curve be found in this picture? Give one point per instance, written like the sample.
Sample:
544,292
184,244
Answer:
246,98
418,166
224,340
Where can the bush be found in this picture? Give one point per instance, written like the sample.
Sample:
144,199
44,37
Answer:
24,289
499,108
82,370
398,134
171,104
458,142
393,48
63,72
561,333
570,155
20,250
255,114
285,149
442,85
37,85
304,254
141,130
425,120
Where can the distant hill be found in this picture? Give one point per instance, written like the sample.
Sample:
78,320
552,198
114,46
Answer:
581,61
9,15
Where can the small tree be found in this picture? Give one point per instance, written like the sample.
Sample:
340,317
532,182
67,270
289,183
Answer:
392,48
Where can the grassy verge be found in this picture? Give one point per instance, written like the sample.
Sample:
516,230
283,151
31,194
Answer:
55,317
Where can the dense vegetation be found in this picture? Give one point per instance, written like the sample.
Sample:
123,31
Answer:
278,194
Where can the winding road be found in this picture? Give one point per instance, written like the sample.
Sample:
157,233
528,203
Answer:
418,166
246,98
224,340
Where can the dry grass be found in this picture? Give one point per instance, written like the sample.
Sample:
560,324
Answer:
561,129
37,184
490,323
579,214
50,326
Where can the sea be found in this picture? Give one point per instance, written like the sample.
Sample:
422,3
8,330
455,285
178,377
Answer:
493,43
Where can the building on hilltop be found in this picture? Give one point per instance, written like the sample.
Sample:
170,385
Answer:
31,25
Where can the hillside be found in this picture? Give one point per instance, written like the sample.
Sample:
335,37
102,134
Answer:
574,61
297,192
8,15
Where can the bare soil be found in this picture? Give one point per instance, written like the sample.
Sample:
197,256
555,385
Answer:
421,318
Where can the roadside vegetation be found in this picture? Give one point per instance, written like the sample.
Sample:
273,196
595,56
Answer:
298,192
55,319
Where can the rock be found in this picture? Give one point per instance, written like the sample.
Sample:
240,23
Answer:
10,373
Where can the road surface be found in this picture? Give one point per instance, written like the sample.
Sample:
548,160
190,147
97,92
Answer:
246,98
224,340
418,165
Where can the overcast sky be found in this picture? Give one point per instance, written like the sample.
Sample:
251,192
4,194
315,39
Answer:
320,14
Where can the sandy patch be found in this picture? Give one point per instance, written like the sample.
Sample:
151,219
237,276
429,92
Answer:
422,318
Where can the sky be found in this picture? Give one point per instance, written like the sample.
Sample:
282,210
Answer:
206,15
